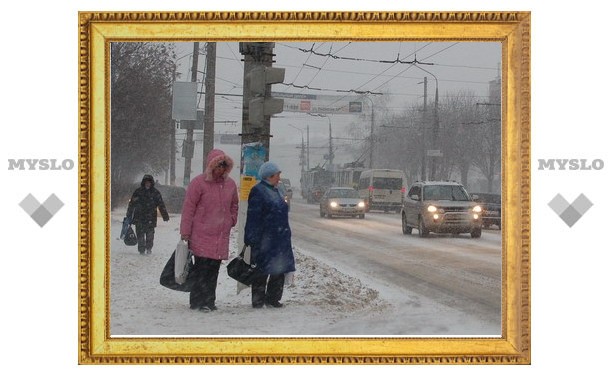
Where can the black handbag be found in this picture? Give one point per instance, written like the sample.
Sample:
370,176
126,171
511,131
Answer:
243,272
167,279
130,237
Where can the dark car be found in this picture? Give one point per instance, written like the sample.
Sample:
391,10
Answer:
491,208
340,201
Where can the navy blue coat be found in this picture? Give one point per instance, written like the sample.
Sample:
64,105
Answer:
267,230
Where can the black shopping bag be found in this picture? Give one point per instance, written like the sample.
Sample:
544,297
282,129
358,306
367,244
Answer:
167,279
243,272
130,237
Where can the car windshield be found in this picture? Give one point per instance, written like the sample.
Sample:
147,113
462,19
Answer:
343,193
445,192
387,183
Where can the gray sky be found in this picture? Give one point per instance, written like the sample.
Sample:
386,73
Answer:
359,66
458,66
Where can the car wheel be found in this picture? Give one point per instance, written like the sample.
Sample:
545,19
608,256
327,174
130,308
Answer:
361,216
407,230
329,215
423,231
476,233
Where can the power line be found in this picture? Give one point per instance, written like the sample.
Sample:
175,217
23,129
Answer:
330,90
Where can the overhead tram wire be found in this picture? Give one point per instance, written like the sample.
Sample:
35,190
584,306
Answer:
319,69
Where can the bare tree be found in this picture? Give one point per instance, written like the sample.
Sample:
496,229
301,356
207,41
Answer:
141,111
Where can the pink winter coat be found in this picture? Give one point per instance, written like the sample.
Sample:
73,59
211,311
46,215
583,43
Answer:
210,210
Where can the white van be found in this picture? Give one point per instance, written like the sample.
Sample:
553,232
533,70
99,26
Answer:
383,189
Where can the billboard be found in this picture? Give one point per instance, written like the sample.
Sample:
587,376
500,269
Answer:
321,104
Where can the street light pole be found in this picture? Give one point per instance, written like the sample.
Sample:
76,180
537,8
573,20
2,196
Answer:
371,133
308,147
331,149
436,125
423,139
302,153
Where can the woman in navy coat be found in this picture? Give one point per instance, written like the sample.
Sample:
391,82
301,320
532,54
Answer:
268,234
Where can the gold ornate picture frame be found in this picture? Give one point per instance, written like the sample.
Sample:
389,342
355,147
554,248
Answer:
98,29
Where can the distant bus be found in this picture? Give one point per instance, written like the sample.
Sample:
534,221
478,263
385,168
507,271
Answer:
348,177
382,189
314,183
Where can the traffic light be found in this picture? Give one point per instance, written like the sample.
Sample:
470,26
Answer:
263,105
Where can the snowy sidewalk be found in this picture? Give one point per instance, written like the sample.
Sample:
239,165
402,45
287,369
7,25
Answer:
320,297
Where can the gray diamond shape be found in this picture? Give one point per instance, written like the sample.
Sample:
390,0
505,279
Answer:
41,216
558,204
582,204
53,204
29,204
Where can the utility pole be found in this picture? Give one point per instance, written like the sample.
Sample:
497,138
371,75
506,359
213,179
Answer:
371,135
189,140
308,147
302,157
173,153
434,137
330,157
209,101
423,158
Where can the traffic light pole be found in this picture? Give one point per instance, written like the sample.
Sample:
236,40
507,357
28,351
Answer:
257,107
253,59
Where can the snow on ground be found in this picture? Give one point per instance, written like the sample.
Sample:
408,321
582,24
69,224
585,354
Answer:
323,300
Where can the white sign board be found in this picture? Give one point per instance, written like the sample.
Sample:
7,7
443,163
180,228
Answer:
321,104
184,100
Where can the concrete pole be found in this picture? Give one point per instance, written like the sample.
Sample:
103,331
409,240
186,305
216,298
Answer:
189,140
209,102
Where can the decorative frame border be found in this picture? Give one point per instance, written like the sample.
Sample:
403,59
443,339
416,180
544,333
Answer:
97,29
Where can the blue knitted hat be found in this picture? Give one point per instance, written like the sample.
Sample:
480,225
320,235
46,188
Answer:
268,169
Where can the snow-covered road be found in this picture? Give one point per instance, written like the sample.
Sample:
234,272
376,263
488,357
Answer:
330,297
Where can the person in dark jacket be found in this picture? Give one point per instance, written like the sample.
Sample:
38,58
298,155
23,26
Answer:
142,210
268,234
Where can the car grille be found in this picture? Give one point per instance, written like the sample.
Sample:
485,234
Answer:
348,205
455,209
457,218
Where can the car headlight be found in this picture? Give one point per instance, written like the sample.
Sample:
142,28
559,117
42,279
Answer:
477,209
432,208
333,204
361,204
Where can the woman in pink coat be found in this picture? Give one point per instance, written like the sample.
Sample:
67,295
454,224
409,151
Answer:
209,212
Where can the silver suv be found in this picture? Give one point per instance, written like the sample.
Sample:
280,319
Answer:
441,207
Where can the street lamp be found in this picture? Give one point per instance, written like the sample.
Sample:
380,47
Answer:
371,133
436,125
307,146
330,157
